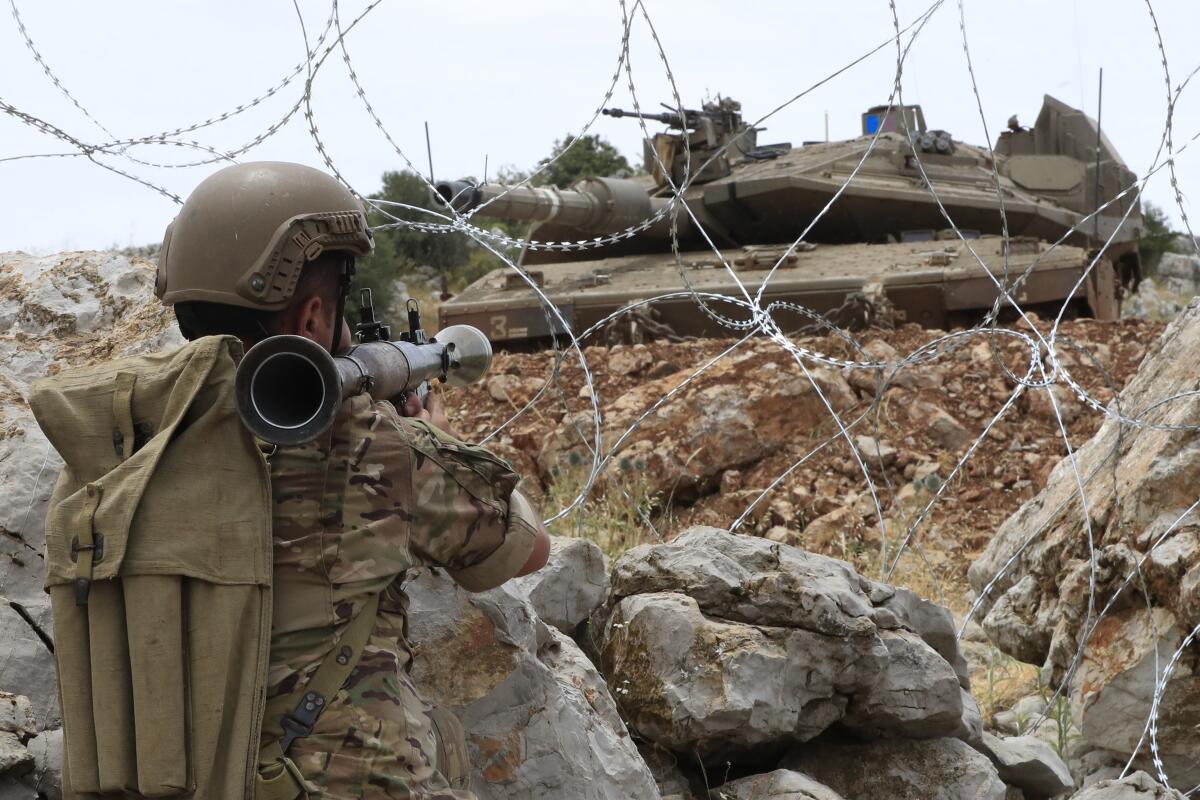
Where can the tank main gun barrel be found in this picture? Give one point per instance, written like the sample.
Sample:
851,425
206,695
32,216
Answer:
592,205
669,118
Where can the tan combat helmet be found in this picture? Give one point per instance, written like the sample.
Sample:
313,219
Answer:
246,231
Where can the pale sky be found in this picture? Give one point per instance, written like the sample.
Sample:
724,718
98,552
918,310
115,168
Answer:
502,80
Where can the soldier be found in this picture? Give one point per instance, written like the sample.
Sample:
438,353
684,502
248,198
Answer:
268,248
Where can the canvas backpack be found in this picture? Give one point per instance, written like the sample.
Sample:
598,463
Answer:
158,566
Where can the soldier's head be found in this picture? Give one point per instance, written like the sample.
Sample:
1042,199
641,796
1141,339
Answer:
261,249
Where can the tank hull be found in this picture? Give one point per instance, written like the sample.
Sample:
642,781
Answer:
935,284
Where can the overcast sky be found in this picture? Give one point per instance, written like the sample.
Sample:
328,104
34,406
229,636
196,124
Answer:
502,80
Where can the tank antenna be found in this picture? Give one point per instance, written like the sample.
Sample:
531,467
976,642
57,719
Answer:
1099,112
429,151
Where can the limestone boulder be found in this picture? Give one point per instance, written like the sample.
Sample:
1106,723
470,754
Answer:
758,582
540,720
722,646
935,625
1036,577
898,769
46,776
15,760
1152,301
1179,273
16,714
1029,764
570,587
697,684
782,784
1138,786
1113,693
916,697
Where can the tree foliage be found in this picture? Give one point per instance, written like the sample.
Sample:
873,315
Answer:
1157,237
590,155
401,253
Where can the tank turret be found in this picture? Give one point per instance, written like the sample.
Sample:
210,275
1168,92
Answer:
1065,158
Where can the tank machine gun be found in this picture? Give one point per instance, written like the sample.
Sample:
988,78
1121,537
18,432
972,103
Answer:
885,236
716,135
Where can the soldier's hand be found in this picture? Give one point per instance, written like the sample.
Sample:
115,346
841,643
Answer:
432,412
435,413
410,406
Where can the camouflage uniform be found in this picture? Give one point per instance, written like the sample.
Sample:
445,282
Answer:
354,511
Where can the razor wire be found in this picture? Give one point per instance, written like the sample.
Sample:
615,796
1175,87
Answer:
1044,370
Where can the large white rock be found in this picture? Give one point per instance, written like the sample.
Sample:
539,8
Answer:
539,718
1180,273
27,666
759,582
1036,575
1138,786
933,623
1113,693
570,587
924,769
703,686
718,645
782,784
46,776
15,760
16,715
1029,764
917,696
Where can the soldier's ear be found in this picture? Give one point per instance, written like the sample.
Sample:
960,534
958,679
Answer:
313,318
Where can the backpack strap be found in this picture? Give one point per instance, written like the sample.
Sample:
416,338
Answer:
292,716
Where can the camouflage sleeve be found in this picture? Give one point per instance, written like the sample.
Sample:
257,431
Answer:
467,515
506,560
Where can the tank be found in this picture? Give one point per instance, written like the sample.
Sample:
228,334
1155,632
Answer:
882,247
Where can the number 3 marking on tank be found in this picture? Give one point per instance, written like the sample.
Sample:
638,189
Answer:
500,327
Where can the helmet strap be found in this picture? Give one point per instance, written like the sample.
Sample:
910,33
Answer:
266,334
345,273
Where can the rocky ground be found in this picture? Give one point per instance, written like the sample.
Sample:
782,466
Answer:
671,658
712,452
